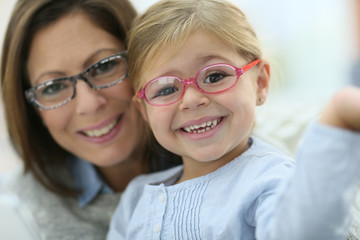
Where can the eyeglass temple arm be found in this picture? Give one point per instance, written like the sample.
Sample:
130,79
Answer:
141,94
250,65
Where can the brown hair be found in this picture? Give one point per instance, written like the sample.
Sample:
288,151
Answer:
41,154
170,22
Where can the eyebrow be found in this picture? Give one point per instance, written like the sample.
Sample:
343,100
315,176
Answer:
89,60
37,81
208,58
203,60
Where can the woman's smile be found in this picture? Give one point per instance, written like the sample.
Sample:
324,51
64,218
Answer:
104,131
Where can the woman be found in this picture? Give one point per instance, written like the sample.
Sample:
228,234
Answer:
67,102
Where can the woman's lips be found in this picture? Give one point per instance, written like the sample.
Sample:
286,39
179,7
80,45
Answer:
104,131
101,131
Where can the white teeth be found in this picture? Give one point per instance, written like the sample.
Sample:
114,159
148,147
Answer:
101,131
206,126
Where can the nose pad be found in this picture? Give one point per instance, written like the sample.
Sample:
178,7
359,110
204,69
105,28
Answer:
193,98
88,100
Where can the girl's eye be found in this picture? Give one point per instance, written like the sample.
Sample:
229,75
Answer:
103,68
54,89
214,77
166,91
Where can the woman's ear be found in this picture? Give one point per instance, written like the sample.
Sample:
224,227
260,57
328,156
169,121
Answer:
263,80
140,105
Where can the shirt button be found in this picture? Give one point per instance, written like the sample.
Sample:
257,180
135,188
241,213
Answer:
157,228
161,198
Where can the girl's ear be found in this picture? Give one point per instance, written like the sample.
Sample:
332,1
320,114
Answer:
140,105
263,80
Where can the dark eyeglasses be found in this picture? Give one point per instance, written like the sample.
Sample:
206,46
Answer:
57,92
216,78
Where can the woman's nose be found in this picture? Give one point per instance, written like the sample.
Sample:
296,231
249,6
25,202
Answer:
193,98
88,100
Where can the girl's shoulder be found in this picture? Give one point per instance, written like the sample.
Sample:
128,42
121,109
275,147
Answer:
265,153
156,177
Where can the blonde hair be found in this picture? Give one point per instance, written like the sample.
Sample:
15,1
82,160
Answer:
170,22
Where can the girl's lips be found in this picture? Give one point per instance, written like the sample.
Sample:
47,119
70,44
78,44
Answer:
203,126
204,129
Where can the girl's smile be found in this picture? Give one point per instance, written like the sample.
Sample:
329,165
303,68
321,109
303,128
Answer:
202,129
206,125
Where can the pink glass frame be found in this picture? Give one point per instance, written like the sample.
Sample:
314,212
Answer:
193,80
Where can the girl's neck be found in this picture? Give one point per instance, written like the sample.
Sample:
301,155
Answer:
194,168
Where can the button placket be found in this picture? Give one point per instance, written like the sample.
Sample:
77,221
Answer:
160,199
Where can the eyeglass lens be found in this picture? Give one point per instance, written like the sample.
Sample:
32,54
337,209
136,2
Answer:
102,74
212,79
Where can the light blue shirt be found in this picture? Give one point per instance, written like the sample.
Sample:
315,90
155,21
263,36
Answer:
87,178
259,195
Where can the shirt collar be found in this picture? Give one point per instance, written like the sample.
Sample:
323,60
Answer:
88,181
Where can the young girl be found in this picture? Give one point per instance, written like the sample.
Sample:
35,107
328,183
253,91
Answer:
199,73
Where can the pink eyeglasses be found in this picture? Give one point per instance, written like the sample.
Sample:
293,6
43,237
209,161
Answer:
216,78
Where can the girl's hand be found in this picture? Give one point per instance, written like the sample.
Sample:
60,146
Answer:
343,110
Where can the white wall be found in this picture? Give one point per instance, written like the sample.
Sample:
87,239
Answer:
8,159
310,45
309,42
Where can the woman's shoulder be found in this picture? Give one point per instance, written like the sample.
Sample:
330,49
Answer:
59,217
29,193
25,186
21,183
156,177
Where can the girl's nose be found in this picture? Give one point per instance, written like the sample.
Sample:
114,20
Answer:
88,100
193,98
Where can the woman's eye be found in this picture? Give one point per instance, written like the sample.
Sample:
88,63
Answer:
103,68
166,91
214,77
54,89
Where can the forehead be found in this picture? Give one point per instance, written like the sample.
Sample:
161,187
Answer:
197,50
65,45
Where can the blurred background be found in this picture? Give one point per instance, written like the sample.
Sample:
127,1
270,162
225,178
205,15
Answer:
310,45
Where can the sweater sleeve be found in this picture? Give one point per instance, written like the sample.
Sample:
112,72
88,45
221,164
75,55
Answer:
315,201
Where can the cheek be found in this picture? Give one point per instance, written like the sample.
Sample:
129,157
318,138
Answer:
158,119
123,90
55,120
246,91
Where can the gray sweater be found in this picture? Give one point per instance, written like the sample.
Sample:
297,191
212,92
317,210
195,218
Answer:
62,218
